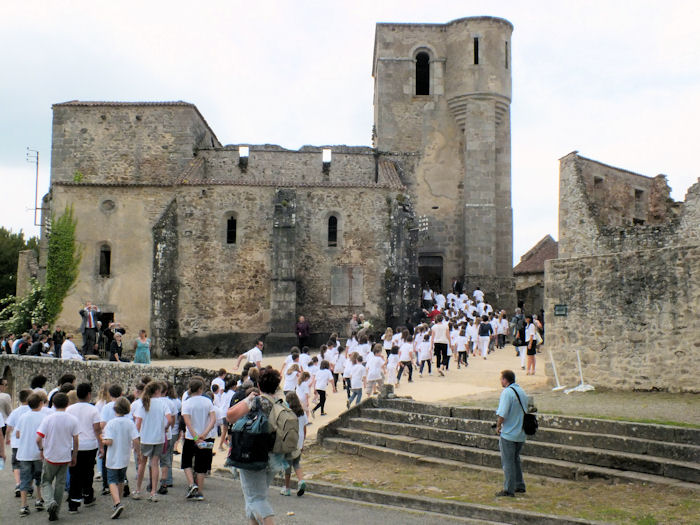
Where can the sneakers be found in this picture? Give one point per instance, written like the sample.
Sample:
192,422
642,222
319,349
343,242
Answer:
521,491
89,502
24,511
198,496
192,491
153,498
98,477
72,509
53,511
286,492
117,510
162,489
503,493
105,492
136,495
302,488
39,504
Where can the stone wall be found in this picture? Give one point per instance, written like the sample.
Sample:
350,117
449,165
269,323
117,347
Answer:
27,269
19,371
632,290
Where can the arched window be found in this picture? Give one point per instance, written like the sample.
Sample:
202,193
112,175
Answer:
332,230
422,74
231,229
105,260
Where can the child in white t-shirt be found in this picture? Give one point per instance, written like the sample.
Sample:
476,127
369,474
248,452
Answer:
461,345
375,370
323,378
358,375
291,378
425,354
58,442
347,371
406,358
28,453
118,436
392,366
303,391
295,457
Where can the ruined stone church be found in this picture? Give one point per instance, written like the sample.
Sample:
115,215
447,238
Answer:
208,246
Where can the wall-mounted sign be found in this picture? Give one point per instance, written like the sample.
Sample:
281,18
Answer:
561,310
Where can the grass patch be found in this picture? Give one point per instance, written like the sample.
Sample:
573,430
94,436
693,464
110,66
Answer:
590,500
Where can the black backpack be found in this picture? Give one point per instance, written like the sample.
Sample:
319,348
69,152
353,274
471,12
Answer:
252,440
519,331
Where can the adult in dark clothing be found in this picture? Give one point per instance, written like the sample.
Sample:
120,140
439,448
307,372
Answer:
37,347
115,349
457,287
303,330
88,327
58,337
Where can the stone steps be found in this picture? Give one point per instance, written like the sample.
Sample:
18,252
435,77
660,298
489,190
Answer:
564,447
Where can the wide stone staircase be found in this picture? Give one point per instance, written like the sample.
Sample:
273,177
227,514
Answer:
564,447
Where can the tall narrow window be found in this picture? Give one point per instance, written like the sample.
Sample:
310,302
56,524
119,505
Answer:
476,51
231,230
506,54
105,260
332,230
422,74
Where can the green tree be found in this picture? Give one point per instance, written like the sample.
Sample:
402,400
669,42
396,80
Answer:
10,246
62,264
18,314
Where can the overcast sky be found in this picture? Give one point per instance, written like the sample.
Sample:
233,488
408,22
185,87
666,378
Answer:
619,81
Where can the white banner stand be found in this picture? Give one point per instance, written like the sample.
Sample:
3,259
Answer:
556,376
582,387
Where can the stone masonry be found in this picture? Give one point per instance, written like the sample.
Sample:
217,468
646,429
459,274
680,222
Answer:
213,246
629,275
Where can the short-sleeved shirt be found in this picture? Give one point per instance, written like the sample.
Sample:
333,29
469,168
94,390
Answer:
198,408
58,430
27,426
323,377
356,374
13,420
254,355
122,431
510,410
374,367
153,421
87,416
405,351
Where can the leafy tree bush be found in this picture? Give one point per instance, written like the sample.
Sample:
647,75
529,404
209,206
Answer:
18,314
10,246
62,264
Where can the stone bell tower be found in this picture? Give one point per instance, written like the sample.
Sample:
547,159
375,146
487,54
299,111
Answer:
443,91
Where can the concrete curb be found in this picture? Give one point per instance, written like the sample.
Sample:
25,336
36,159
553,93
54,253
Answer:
449,508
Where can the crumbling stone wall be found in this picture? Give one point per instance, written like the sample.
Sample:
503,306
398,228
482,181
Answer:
19,370
632,291
27,269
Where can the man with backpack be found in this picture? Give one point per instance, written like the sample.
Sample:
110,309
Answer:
518,323
264,430
511,412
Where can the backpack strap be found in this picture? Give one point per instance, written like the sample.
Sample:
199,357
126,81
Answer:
520,402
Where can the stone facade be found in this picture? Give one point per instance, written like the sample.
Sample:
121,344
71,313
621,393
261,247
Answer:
529,274
27,269
19,371
630,278
212,246
459,122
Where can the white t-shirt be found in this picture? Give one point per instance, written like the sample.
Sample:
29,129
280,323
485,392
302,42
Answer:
290,380
530,331
503,326
424,350
302,391
473,332
478,295
69,351
199,408
393,362
332,355
254,355
440,333
427,294
405,351
175,405
87,415
13,420
462,343
356,374
122,432
363,350
375,364
386,343
220,382
27,426
347,372
323,377
58,430
153,421
304,360
340,364
313,370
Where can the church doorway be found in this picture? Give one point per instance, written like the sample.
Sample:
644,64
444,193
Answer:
430,271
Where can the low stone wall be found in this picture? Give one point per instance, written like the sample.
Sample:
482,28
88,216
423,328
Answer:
19,370
633,316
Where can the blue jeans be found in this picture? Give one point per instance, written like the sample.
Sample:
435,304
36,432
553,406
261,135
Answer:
356,393
510,461
256,490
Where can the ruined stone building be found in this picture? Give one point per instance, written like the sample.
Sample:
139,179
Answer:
208,246
529,274
625,290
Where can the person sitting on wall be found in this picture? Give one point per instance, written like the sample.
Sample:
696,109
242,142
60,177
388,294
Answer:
69,350
115,349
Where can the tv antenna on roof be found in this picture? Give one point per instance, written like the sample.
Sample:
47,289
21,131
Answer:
32,156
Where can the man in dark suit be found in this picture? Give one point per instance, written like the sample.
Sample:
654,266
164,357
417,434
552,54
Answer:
88,327
456,286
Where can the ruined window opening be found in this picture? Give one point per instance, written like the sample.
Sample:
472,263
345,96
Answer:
422,74
639,203
243,154
231,230
105,261
597,182
476,51
506,54
638,222
333,231
326,154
